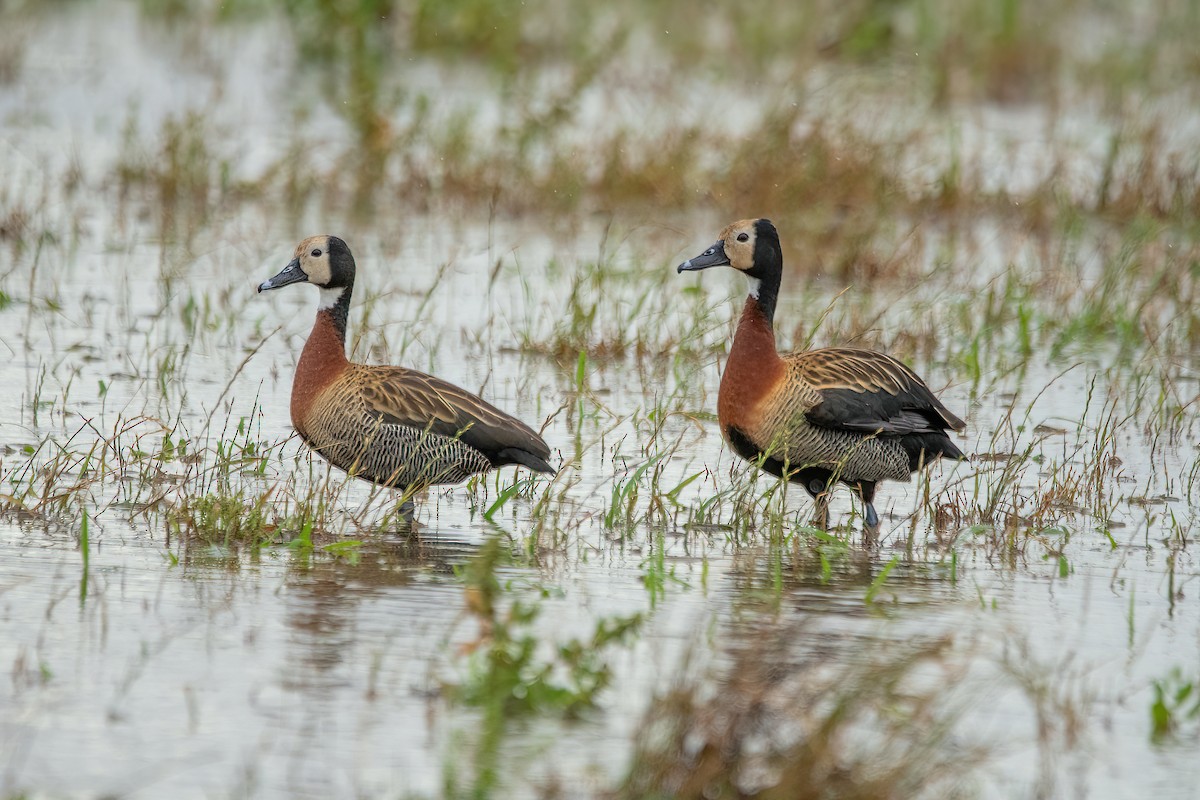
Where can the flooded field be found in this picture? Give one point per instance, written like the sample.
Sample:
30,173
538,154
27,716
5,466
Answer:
193,605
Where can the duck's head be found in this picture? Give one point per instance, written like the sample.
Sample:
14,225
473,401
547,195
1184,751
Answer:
749,245
323,261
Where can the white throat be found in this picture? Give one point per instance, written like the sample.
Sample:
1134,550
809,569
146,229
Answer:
330,297
755,283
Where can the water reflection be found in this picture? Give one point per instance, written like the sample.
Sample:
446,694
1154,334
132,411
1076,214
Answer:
838,579
324,595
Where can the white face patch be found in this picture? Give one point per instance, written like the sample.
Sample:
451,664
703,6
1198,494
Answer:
739,244
313,254
330,297
754,284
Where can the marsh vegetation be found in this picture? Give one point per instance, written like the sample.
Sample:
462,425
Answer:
1002,195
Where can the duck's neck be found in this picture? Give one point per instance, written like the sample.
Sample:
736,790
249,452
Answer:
754,367
754,341
324,355
336,304
764,294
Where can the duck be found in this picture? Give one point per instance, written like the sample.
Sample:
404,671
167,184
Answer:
392,426
817,417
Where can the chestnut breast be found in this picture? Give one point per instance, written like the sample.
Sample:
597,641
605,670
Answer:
753,375
321,364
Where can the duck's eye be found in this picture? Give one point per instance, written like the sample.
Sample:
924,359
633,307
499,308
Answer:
743,237
316,253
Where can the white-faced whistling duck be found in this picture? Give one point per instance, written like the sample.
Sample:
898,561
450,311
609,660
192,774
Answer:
835,414
393,426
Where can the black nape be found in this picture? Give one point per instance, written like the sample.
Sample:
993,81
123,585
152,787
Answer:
341,264
768,266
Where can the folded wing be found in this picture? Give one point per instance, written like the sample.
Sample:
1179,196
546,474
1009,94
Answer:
399,396
863,391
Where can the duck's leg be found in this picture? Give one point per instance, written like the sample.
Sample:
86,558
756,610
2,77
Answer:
816,483
821,517
866,490
402,521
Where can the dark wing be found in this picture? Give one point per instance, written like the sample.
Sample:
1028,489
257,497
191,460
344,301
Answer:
863,391
398,396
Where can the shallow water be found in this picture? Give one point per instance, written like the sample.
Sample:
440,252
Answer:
183,670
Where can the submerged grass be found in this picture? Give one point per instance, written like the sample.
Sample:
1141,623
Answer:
518,668
222,490
1175,711
511,671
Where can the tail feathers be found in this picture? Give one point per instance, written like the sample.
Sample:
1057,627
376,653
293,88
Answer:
928,447
512,455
